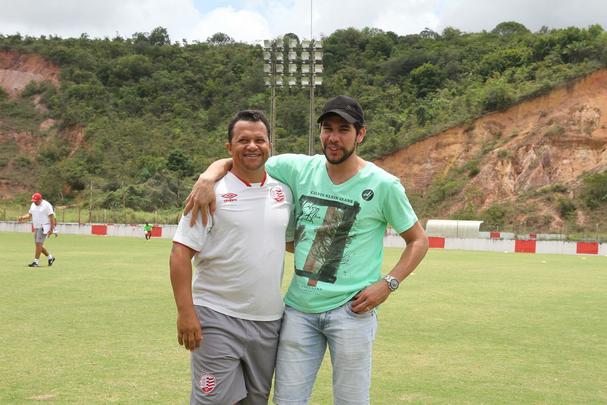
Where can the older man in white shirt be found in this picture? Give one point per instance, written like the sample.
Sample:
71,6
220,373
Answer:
43,219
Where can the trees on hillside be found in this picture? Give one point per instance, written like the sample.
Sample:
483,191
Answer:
148,96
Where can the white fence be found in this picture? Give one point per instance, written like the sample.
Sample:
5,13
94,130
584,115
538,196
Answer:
391,239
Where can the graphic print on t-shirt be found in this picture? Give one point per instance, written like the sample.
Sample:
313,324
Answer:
331,236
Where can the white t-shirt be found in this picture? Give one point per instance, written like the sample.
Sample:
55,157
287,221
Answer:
240,259
40,214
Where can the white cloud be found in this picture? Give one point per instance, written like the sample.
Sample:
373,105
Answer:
241,25
401,16
252,20
407,17
70,18
474,15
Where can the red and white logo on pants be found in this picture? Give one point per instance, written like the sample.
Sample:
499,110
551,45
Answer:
207,383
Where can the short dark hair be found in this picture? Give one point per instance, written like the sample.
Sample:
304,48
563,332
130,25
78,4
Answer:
247,115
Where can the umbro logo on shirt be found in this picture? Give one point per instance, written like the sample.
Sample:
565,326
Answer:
229,197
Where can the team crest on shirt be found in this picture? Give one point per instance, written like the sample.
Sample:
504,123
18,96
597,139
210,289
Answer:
229,197
277,194
207,383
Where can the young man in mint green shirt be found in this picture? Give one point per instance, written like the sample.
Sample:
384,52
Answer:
343,205
340,229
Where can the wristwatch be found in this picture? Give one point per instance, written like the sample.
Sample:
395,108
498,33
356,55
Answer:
392,282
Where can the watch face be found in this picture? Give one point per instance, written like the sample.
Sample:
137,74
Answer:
392,282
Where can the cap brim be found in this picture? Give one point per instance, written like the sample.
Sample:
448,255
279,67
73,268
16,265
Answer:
342,114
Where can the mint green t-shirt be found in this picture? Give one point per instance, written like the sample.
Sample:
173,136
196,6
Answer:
339,230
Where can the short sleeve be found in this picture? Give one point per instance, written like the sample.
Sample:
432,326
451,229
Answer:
193,237
285,167
397,208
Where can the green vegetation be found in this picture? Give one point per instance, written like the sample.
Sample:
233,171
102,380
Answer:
468,327
18,115
555,131
149,104
566,208
497,216
595,190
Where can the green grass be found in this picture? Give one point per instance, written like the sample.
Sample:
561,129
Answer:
467,328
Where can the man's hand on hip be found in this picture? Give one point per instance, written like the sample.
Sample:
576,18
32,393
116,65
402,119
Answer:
371,297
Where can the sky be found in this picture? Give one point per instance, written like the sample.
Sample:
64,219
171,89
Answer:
253,21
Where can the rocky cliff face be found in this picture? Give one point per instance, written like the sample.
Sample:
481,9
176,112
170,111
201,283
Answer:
17,70
551,139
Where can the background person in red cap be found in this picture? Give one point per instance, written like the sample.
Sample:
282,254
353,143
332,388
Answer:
43,219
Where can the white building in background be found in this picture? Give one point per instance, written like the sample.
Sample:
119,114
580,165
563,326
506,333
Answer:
448,228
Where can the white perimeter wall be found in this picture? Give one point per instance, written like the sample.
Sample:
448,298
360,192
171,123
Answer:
390,240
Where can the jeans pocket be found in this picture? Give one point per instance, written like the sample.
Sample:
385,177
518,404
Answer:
361,315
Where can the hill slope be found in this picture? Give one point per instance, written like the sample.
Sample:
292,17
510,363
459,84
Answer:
500,158
554,139
135,119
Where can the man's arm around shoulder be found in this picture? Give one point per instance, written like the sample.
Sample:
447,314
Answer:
202,194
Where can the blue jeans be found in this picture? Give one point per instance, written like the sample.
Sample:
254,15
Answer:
303,341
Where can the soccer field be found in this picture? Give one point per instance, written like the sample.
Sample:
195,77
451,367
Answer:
466,328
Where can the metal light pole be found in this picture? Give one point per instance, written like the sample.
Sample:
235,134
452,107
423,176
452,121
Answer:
301,65
311,57
315,69
273,67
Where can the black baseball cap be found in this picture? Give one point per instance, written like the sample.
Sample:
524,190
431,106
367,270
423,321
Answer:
346,107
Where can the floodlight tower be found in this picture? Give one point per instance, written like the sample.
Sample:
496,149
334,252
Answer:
273,68
288,63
